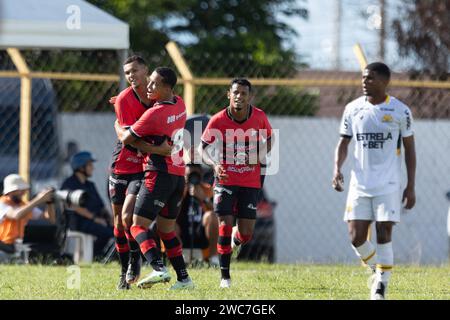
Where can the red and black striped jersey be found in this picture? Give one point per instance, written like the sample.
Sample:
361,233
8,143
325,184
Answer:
128,109
238,144
165,120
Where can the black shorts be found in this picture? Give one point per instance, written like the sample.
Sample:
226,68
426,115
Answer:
236,200
161,193
122,184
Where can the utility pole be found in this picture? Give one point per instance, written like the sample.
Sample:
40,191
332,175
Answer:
337,34
382,31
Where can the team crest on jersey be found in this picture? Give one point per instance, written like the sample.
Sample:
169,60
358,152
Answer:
387,118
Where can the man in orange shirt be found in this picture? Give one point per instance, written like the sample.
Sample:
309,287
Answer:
15,212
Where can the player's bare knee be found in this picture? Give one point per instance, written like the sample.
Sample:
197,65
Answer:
384,232
246,226
357,237
118,226
226,220
165,225
127,222
209,218
141,221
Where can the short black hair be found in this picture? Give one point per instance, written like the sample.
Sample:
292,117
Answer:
135,58
242,82
380,68
168,76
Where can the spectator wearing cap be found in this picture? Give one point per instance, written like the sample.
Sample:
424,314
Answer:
16,212
94,218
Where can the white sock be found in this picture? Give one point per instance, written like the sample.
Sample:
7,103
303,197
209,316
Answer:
385,262
366,252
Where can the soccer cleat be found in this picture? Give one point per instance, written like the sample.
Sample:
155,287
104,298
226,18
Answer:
134,269
225,283
378,291
123,285
186,284
371,278
153,278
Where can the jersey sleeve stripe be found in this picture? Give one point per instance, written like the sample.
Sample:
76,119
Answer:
134,134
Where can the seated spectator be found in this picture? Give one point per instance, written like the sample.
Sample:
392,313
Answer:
205,226
94,218
15,212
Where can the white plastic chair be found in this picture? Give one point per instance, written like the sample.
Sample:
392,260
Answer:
81,245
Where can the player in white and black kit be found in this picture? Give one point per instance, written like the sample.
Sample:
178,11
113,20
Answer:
379,124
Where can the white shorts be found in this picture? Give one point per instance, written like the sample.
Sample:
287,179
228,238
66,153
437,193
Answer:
386,207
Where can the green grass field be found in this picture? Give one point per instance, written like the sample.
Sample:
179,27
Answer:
250,281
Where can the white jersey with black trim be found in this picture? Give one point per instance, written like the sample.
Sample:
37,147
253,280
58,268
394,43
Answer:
377,131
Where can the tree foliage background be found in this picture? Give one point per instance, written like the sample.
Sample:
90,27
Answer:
214,27
422,31
220,38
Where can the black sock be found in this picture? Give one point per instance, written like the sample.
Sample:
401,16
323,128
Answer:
148,247
180,267
122,248
224,250
224,260
154,258
175,254
132,243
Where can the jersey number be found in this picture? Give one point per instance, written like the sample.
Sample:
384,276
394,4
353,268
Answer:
178,141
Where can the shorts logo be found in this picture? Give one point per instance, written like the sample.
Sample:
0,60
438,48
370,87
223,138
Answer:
349,209
117,181
251,206
158,203
221,189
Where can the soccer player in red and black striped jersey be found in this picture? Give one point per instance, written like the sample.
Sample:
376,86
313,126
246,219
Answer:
126,171
241,137
161,193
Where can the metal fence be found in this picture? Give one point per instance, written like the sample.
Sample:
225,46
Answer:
303,219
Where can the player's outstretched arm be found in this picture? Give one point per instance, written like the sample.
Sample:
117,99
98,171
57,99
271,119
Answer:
409,193
20,212
339,159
